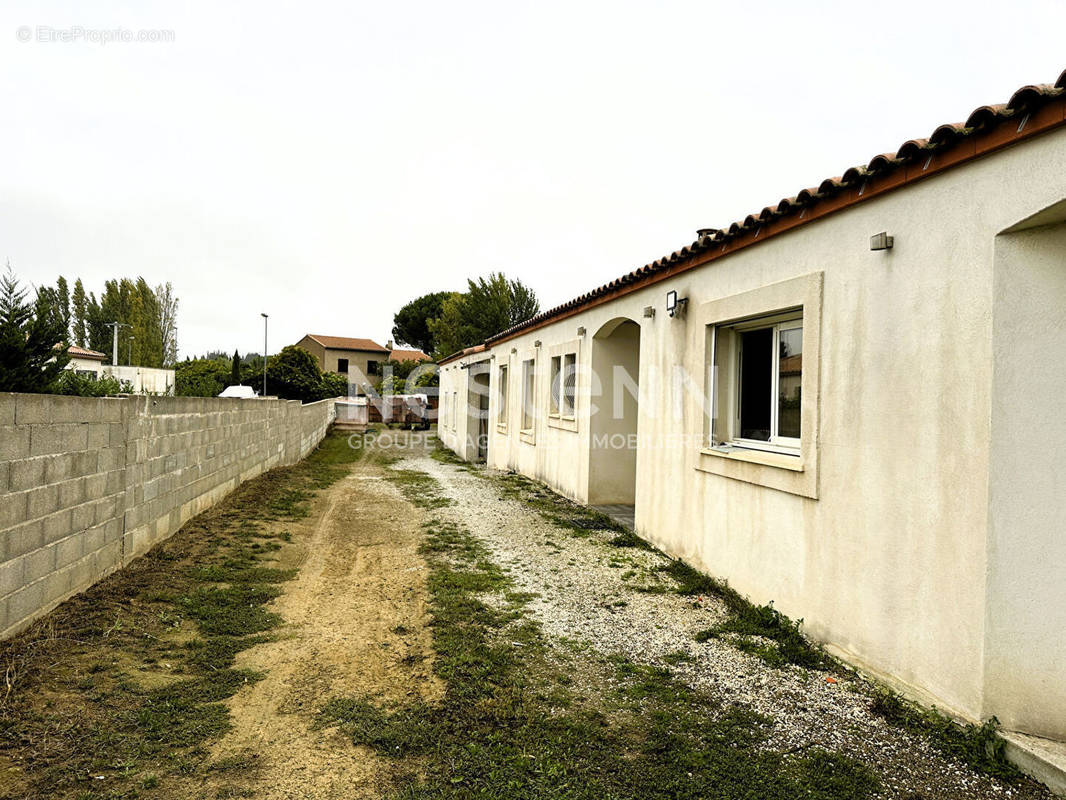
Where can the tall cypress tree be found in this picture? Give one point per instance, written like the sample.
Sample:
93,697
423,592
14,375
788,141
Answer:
235,370
80,309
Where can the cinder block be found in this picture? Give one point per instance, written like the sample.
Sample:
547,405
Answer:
57,526
42,501
95,485
116,435
83,516
58,438
13,509
25,602
69,550
99,435
11,573
34,409
22,539
58,467
8,400
39,563
14,442
5,477
73,492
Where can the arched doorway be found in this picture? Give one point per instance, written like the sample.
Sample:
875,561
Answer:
613,420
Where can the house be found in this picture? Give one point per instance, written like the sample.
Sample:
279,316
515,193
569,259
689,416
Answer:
397,354
359,359
849,403
85,362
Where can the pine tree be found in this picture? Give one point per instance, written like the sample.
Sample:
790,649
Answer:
29,359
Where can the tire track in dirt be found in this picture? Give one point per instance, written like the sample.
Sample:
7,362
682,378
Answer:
356,619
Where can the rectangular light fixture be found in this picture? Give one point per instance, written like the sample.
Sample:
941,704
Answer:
674,304
881,241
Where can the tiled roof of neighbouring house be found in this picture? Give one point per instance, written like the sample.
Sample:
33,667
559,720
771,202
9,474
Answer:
408,355
1030,111
346,343
81,352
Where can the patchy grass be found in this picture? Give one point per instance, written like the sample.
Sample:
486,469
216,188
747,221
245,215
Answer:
119,691
513,724
980,746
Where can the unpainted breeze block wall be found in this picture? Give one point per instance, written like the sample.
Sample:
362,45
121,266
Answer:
89,484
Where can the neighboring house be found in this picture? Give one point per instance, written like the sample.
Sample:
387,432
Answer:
85,362
396,354
870,438
144,380
359,359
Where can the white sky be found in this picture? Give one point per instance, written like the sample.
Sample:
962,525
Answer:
327,162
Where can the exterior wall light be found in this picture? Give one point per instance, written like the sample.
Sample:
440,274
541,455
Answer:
649,311
675,306
881,241
580,331
536,343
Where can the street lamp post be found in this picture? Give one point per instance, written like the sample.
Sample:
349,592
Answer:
265,317
129,353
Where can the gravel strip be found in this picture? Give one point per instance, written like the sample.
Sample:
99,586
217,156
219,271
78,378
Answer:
586,591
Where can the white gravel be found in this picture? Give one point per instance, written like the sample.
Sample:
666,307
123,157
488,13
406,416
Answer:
584,592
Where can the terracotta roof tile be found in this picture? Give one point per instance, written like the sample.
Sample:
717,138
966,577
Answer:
347,343
82,352
408,355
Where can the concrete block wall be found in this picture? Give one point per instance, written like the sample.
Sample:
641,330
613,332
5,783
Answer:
88,484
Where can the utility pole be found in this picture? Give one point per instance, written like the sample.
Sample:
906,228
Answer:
265,317
114,347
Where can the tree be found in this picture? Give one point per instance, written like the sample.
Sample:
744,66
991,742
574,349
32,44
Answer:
411,323
80,308
294,375
167,306
200,377
490,305
235,370
29,359
63,305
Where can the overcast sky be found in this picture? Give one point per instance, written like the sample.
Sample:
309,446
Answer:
327,162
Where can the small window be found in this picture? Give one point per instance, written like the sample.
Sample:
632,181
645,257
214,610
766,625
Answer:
501,410
342,366
371,367
556,384
569,384
528,399
764,364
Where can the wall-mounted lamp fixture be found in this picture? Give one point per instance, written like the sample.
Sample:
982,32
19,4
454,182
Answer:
881,241
675,306
580,331
649,311
514,350
536,343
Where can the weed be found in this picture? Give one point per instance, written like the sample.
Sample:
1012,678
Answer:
980,746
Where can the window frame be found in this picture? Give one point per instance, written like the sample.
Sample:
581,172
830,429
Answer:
564,415
346,366
502,395
786,321
529,396
718,460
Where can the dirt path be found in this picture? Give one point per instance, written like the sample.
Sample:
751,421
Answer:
355,624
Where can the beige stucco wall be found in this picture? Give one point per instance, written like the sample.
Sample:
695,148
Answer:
358,361
1025,654
880,544
93,365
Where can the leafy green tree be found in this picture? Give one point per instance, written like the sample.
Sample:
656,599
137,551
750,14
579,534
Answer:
235,370
490,305
63,304
410,325
80,306
334,385
294,375
200,377
29,359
